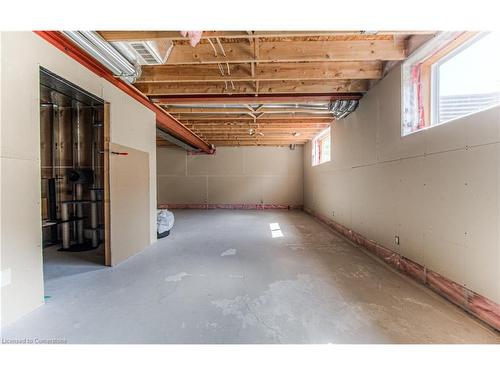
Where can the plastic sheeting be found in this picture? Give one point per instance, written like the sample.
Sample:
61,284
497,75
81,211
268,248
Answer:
165,222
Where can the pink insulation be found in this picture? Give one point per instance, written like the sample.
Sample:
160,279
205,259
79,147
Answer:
194,37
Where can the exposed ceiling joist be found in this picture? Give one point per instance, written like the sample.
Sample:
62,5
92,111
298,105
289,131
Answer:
175,35
222,89
301,51
269,87
263,72
261,99
190,110
303,121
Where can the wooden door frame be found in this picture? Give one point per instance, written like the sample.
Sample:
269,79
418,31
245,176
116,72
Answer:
107,205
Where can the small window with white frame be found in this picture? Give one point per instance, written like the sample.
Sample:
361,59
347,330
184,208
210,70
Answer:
453,75
321,147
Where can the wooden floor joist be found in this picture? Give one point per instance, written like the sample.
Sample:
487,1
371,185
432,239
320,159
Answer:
263,72
293,51
118,36
290,98
233,82
247,87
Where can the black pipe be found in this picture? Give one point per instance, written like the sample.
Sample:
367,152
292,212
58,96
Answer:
52,209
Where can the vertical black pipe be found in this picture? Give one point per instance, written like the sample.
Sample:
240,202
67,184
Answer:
52,208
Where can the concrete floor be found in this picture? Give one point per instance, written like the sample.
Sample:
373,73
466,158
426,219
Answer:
221,277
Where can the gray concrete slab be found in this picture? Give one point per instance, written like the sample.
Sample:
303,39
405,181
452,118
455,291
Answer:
222,278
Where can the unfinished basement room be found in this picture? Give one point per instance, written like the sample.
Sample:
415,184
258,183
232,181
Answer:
250,187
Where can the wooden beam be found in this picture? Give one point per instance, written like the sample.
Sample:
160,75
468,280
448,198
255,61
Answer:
263,72
244,144
276,132
261,99
241,52
117,36
266,87
270,118
259,142
187,110
248,137
211,138
303,121
278,127
246,129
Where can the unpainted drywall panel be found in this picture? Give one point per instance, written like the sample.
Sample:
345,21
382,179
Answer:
411,216
444,197
265,160
22,54
282,190
364,132
129,202
324,189
342,155
226,161
446,137
483,127
234,189
341,197
364,212
234,175
481,222
441,199
134,125
21,252
171,161
385,202
412,145
308,177
293,163
198,165
182,189
388,134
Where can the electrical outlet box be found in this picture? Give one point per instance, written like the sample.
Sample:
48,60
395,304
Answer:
396,240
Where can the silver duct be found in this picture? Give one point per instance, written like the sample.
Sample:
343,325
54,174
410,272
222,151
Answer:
105,53
343,108
164,135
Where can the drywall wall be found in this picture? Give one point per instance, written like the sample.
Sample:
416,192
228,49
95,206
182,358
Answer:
438,189
129,182
233,175
131,125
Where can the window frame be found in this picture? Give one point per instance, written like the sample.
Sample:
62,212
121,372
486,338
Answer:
434,83
316,147
420,97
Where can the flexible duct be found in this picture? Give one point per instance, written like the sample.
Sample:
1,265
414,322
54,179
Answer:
343,108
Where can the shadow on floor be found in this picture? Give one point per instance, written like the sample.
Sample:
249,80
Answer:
57,264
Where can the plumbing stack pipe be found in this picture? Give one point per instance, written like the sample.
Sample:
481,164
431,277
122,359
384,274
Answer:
93,218
65,226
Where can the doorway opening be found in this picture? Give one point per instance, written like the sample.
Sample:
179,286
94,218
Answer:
73,132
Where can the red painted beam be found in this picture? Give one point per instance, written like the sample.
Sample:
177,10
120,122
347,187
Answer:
247,99
163,120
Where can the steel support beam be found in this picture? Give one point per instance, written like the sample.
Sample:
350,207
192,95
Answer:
164,120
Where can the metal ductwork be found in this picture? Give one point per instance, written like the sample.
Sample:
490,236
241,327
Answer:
343,108
95,45
164,135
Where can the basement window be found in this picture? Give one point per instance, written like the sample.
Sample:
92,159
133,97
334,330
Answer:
451,76
321,148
